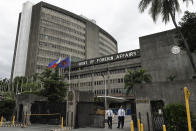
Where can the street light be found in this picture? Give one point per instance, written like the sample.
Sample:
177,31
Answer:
105,91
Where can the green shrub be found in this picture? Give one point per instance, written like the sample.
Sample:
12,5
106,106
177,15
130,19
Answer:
176,117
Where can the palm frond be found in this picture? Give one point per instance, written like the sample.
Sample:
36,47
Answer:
155,9
165,11
143,5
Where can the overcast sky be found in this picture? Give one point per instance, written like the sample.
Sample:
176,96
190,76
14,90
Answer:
120,18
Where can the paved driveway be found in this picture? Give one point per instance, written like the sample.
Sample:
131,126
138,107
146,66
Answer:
52,127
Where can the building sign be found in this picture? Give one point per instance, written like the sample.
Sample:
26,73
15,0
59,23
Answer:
142,101
105,59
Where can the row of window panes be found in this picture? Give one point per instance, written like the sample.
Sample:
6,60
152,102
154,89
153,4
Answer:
61,27
100,92
106,41
74,77
59,33
102,54
48,53
108,47
100,73
101,82
117,91
59,40
113,91
84,84
65,42
102,49
60,20
58,47
112,81
117,71
41,67
74,84
63,16
85,75
105,37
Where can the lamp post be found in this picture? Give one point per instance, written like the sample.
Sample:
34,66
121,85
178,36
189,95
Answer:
105,91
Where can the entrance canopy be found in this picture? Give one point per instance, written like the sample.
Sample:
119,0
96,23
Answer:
113,99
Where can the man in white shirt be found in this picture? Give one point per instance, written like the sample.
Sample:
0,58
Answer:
110,115
121,117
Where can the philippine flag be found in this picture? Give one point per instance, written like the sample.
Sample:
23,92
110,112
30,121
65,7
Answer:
54,63
65,63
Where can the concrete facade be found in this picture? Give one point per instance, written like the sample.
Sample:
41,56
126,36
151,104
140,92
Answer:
157,59
54,33
169,92
143,107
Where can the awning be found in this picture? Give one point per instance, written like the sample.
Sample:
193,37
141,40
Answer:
113,99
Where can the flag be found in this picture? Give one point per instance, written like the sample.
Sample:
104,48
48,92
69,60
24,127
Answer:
65,63
54,63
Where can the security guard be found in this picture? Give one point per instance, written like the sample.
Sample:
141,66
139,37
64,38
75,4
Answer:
121,117
110,115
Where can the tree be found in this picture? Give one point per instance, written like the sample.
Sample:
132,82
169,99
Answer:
136,77
53,85
18,83
4,85
188,28
6,108
167,9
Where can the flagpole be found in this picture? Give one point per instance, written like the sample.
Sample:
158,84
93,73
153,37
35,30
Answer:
59,68
69,72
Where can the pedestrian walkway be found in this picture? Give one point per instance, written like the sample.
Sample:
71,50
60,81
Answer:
40,127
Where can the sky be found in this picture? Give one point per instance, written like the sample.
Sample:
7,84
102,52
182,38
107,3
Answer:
120,18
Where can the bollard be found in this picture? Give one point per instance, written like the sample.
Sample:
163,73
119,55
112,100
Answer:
13,120
187,94
1,120
132,127
139,125
164,128
142,127
62,122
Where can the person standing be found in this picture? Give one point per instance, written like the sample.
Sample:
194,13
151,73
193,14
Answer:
121,117
110,115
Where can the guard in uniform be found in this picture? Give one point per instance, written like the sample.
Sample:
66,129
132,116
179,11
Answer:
121,117
110,115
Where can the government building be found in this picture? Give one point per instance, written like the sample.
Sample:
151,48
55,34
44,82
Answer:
46,32
155,56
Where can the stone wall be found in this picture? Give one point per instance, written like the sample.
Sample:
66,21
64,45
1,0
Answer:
24,103
142,109
87,117
169,92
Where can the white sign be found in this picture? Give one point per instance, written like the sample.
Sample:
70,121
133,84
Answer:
175,50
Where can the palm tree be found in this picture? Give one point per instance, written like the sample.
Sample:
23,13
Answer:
136,77
167,9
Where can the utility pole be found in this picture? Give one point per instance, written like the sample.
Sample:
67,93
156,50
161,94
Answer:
105,91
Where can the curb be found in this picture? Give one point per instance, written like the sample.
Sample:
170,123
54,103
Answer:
63,129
